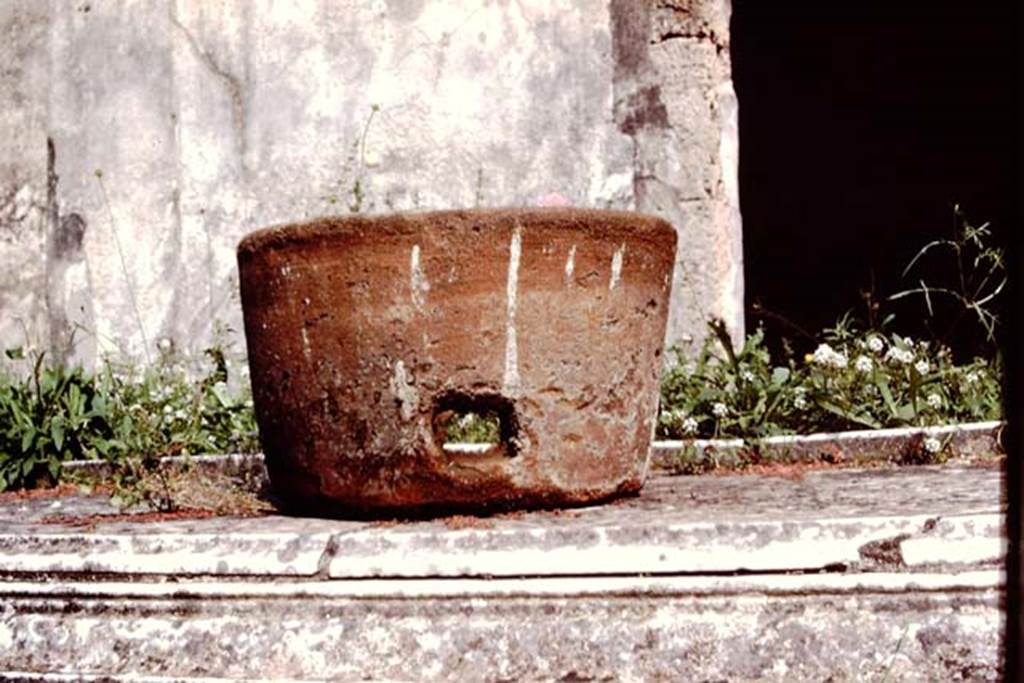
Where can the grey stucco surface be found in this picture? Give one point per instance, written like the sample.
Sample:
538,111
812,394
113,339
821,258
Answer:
178,126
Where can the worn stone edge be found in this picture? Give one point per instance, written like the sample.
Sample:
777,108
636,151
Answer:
868,445
861,446
967,581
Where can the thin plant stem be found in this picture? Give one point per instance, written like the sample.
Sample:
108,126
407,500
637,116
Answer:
124,268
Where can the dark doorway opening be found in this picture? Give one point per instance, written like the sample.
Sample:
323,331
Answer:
861,125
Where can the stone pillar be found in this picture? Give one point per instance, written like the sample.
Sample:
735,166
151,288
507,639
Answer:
674,97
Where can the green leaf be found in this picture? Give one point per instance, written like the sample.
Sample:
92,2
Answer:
779,376
57,432
883,389
220,390
849,415
27,437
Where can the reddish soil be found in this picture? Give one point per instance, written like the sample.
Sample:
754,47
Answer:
458,522
139,517
58,491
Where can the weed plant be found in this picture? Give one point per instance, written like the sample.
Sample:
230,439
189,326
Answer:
860,376
124,414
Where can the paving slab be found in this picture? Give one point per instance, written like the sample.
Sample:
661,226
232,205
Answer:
840,518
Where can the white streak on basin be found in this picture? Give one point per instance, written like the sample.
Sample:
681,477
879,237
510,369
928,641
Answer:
417,280
404,391
617,266
307,352
570,263
511,379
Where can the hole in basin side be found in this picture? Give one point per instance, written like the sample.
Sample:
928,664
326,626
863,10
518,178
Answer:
473,426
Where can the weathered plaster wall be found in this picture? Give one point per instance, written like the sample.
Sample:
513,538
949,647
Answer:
24,60
178,126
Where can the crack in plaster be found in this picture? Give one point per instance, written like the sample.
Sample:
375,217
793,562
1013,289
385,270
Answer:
231,83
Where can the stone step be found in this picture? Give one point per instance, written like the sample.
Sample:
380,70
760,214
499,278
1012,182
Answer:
855,574
786,627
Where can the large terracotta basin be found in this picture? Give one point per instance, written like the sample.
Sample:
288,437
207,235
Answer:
367,334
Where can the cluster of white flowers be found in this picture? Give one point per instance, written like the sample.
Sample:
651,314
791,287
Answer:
863,364
934,401
800,401
719,410
686,423
922,367
875,343
170,414
746,375
932,445
900,356
827,356
973,377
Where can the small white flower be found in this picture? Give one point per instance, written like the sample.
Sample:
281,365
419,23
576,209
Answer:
168,409
875,343
908,342
899,356
827,356
180,414
934,401
746,375
972,377
248,403
922,367
800,399
719,410
164,345
689,426
932,445
863,364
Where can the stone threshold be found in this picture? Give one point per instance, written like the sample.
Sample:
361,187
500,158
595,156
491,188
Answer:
850,573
